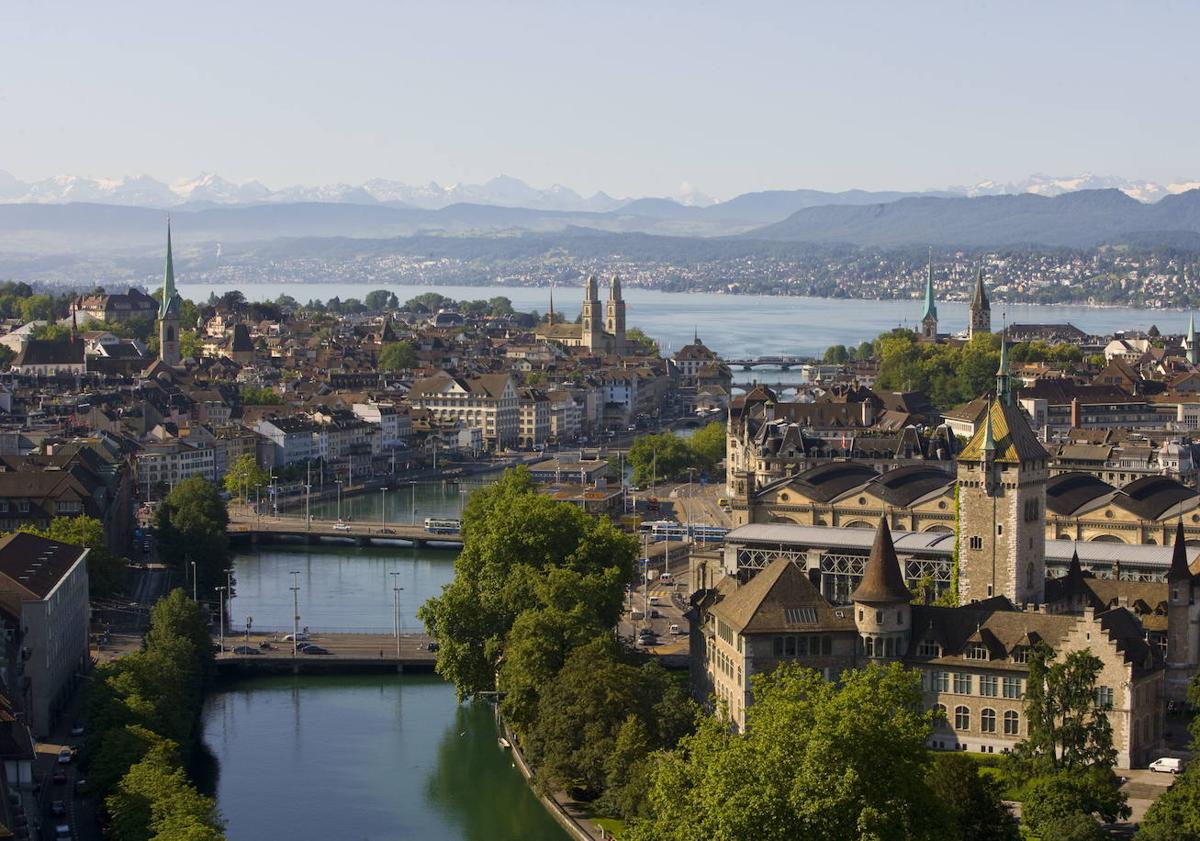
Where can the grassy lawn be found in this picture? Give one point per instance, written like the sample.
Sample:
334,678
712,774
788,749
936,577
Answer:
613,826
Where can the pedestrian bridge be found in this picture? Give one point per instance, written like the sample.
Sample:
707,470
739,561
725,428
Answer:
261,529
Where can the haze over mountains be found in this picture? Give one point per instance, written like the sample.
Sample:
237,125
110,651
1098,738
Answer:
69,214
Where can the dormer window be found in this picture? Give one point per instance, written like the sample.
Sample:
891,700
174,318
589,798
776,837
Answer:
976,651
1020,654
929,648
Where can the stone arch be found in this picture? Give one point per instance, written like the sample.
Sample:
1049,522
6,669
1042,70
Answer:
1105,538
857,524
939,528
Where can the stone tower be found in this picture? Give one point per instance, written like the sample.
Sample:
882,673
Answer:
1002,476
1183,622
168,312
614,321
1193,352
882,611
929,318
981,309
593,326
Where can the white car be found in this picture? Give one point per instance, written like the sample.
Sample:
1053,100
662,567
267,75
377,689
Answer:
340,526
65,755
296,637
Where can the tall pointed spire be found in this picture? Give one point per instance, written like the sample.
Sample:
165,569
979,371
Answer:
168,289
1003,380
980,300
1193,352
930,304
1179,570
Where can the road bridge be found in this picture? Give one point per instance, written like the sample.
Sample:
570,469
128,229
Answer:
348,652
783,363
260,529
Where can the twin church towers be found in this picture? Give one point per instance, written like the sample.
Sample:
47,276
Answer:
980,320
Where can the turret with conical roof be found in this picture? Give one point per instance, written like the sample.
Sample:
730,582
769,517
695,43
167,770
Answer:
1179,570
929,318
1003,378
981,309
882,612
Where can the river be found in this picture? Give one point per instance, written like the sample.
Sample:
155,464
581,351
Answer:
739,326
360,758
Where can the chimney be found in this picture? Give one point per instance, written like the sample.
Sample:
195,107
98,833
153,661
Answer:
868,413
769,410
1075,413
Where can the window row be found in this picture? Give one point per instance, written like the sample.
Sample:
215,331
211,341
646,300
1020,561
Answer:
964,683
797,645
987,719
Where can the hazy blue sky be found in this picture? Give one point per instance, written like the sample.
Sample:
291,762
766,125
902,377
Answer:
630,97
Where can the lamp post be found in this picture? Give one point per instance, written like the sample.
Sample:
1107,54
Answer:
338,482
295,588
396,588
194,581
383,506
221,611
413,484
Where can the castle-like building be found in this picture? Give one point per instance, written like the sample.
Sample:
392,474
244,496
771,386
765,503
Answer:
785,600
600,329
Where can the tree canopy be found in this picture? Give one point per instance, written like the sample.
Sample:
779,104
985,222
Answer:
820,761
666,456
397,356
244,477
522,551
191,525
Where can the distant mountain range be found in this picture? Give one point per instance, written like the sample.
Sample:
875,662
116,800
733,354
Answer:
506,191
68,214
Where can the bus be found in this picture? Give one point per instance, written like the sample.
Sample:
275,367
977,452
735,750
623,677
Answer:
442,525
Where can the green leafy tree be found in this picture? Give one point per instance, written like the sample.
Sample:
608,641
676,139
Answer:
251,395
643,345
190,344
708,445
106,570
586,706
51,332
431,301
665,455
244,477
818,761
398,356
836,355
377,301
972,801
191,524
37,308
514,540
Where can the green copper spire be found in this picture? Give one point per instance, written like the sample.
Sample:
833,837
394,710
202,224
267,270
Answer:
169,304
930,304
1003,380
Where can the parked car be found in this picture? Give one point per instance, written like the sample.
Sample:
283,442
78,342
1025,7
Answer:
65,755
676,630
58,808
386,530
315,649
246,649
340,526
647,641
1167,765
77,729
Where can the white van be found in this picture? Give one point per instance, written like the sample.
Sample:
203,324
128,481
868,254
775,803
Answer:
666,578
1167,765
654,601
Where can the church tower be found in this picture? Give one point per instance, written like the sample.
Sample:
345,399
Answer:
168,312
1183,622
1002,476
614,322
1193,352
593,327
929,319
981,310
882,611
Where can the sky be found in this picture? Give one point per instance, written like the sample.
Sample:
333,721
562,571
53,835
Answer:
633,98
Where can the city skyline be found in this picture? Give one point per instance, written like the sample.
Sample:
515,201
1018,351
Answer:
622,100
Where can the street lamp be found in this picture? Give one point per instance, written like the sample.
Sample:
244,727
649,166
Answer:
396,588
221,611
295,588
413,484
383,506
338,482
194,582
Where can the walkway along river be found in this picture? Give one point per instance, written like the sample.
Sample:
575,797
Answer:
373,757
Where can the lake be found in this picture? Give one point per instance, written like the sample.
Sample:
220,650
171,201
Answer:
737,326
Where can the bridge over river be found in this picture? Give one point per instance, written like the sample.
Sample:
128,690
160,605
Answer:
257,529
